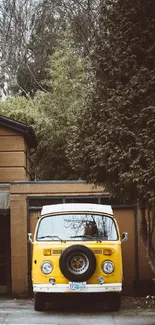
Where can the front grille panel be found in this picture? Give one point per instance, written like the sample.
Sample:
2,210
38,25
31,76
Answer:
57,251
97,251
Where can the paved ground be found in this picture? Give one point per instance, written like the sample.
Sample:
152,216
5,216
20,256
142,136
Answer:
17,311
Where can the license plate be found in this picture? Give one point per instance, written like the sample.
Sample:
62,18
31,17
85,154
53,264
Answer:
77,286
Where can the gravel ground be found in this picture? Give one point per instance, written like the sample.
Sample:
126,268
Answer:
144,303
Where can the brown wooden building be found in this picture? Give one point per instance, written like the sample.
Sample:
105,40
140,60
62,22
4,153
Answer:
20,203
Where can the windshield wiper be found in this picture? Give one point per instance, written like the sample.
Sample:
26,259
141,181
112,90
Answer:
52,236
82,236
87,236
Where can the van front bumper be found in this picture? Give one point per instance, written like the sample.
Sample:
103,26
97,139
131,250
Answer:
90,288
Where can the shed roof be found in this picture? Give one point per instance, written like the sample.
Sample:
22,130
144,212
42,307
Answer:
27,131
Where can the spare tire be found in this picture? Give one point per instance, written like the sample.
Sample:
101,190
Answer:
77,263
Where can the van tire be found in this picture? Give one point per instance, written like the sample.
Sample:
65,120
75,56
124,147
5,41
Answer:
39,301
66,259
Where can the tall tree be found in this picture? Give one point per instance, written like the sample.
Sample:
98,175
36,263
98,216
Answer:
15,28
114,141
29,33
82,17
52,114
46,29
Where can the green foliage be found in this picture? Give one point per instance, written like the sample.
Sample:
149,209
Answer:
112,134
52,114
68,77
49,160
114,140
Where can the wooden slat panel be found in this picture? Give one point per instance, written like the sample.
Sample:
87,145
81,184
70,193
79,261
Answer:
14,143
5,131
58,189
12,159
12,174
4,189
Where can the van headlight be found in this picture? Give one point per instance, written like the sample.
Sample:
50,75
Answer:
108,267
46,268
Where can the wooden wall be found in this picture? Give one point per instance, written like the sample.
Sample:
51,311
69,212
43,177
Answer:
14,157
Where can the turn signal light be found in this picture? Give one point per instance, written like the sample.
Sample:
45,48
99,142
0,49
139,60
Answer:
107,251
47,252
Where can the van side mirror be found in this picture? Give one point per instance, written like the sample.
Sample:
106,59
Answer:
124,236
30,240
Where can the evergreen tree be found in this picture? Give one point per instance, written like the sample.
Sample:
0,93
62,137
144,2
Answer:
114,140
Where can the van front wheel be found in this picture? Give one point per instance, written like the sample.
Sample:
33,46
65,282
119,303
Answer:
39,301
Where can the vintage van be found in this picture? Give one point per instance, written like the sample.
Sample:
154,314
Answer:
77,250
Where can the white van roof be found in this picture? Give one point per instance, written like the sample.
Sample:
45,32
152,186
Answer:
76,207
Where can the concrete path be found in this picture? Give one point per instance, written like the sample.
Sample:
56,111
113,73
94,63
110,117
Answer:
18,311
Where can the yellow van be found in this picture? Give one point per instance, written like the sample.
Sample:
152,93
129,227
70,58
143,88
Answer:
77,250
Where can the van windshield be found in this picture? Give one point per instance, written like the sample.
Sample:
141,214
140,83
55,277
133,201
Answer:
76,227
